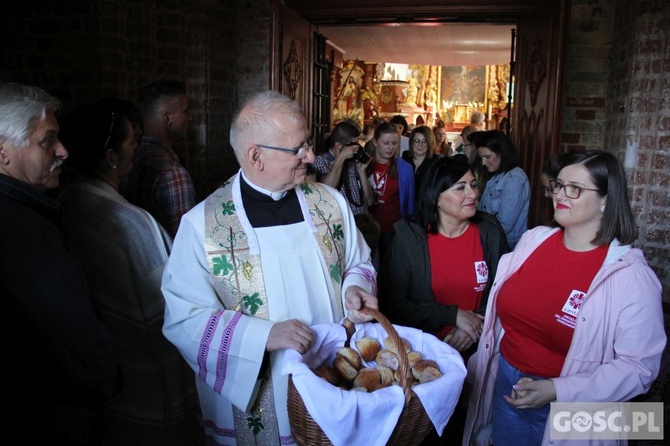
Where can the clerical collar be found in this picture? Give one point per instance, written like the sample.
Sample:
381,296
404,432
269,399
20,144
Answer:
276,196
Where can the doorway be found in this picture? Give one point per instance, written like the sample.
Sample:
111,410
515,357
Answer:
538,69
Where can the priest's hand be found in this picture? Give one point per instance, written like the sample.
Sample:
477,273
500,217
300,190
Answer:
290,334
356,298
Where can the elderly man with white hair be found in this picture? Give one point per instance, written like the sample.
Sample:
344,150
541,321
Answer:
256,264
65,361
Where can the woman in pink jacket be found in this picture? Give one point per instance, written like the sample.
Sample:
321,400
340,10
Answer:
574,314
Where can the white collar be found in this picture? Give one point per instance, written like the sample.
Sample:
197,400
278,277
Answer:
276,196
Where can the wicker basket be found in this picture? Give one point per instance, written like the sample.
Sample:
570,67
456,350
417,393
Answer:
413,423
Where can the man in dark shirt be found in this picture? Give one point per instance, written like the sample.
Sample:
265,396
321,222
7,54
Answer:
63,361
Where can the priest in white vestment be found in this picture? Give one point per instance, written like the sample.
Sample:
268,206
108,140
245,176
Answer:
256,264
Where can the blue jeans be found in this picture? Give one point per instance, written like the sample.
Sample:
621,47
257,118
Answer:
512,426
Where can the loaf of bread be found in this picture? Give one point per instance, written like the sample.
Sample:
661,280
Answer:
368,348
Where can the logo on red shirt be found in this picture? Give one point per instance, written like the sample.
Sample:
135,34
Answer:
574,302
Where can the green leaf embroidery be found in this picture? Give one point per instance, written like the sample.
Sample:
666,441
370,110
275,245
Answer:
221,266
255,424
338,232
306,188
252,303
227,208
335,272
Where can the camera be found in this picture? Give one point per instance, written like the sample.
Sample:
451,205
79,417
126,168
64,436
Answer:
361,156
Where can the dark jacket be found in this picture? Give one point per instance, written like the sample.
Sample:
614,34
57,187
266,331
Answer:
405,293
421,171
60,361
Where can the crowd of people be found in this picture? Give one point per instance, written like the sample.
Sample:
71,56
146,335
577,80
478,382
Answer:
159,318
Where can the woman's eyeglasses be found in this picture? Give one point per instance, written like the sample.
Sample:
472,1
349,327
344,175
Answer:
571,190
420,142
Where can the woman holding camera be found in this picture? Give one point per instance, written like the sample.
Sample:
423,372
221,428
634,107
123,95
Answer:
421,153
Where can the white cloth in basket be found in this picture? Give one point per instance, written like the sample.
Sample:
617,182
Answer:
369,418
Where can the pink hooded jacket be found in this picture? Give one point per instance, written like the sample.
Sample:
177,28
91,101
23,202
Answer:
616,348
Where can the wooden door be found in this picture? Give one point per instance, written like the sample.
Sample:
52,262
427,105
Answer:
538,102
292,57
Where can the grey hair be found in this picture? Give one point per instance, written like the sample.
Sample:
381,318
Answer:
20,107
477,117
256,123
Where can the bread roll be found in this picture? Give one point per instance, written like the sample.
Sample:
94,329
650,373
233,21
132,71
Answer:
522,393
413,357
386,374
328,373
410,377
419,366
368,378
379,385
388,359
368,348
388,344
344,368
428,374
351,355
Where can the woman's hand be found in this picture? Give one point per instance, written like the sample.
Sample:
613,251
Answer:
459,340
471,323
531,394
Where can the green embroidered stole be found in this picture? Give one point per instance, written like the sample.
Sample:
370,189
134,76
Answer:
233,254
233,258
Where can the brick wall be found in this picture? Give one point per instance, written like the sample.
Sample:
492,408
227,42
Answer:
591,38
81,50
616,83
616,91
638,124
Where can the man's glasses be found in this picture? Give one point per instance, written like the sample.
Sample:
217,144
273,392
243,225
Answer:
571,190
420,142
299,152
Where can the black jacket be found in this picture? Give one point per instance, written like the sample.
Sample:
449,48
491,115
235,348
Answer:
405,293
60,359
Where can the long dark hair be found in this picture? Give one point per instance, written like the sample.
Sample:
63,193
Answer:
440,176
498,143
89,130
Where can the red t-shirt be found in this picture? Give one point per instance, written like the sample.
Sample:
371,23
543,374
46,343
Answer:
387,189
458,271
538,305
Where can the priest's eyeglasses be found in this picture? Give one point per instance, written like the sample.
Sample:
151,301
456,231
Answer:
300,151
571,190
